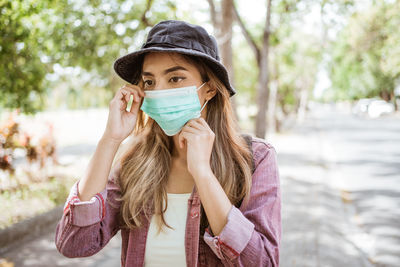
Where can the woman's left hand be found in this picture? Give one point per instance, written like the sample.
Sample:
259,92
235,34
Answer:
199,141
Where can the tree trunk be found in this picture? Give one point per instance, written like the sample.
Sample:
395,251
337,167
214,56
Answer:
261,55
225,37
273,90
394,99
263,78
225,43
301,111
222,22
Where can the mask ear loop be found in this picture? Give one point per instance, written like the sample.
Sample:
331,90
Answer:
205,103
206,100
200,86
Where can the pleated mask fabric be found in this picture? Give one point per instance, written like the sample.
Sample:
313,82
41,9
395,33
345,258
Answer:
172,108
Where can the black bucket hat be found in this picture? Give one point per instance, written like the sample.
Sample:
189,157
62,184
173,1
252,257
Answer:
174,36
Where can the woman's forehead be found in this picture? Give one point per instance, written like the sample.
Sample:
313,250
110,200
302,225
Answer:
164,60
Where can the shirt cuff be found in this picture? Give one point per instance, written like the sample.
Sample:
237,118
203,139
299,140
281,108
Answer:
233,238
84,213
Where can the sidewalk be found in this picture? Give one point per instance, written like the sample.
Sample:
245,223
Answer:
43,252
316,217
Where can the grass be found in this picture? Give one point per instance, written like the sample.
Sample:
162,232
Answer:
35,198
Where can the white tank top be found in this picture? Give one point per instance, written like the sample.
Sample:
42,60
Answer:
168,247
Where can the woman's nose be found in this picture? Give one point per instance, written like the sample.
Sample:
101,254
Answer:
160,85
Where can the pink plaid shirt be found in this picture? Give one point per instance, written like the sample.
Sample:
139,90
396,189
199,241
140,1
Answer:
251,236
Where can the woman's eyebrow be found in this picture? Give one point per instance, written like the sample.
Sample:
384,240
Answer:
145,73
175,68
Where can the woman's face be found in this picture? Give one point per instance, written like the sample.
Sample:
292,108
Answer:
170,70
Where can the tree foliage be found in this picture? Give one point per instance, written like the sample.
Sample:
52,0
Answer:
63,50
21,70
89,35
366,55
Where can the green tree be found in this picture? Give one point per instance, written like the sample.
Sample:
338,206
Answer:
37,36
287,73
21,70
365,58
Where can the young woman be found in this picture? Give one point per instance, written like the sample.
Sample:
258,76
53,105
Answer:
188,190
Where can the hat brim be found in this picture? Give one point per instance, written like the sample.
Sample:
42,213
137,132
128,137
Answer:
128,67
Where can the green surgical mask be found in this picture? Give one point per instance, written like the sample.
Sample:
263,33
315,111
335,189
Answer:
172,108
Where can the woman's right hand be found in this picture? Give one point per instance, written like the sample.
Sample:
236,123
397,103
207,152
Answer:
120,122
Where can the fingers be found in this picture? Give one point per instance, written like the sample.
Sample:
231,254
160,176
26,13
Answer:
199,124
194,123
203,122
127,90
135,88
123,95
196,130
184,135
134,108
190,130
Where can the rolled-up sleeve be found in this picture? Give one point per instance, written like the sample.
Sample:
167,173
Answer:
86,226
252,234
84,213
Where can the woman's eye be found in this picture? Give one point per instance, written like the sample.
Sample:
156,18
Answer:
148,83
176,79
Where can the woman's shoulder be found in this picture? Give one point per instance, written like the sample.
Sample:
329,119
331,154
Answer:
259,142
261,148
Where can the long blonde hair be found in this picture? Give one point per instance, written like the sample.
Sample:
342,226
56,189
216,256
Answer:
146,162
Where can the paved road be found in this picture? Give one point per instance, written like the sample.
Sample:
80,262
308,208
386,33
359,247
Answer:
42,252
340,178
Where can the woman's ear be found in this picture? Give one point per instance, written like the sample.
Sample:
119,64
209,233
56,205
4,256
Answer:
211,91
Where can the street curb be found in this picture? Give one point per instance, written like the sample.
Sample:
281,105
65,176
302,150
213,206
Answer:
28,229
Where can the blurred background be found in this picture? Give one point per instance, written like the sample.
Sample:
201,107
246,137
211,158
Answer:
318,79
